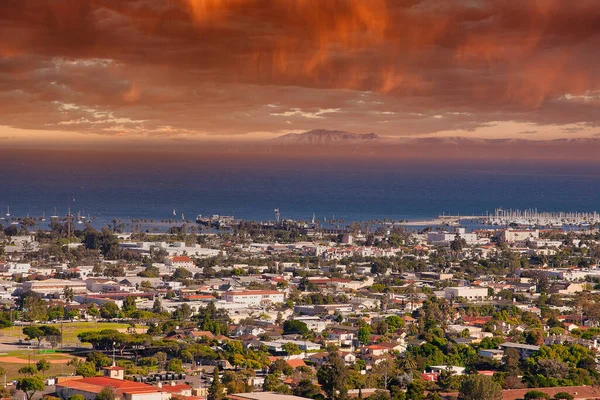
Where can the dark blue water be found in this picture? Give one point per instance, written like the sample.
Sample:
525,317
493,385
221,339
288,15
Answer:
250,189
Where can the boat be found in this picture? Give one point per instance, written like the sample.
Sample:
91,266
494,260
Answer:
8,211
43,216
174,213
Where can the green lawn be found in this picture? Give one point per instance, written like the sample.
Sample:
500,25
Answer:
13,368
70,330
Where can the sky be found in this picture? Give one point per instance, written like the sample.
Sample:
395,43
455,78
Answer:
130,73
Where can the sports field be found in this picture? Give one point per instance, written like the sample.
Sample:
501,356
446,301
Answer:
70,331
14,360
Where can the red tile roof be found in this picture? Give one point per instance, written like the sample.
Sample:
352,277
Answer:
295,363
181,259
96,384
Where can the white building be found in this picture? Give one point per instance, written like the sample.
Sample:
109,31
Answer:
520,236
313,323
468,293
54,286
17,268
97,285
254,297
445,238
179,262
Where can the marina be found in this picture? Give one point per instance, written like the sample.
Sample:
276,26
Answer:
527,217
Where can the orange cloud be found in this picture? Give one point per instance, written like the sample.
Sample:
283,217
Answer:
133,94
211,65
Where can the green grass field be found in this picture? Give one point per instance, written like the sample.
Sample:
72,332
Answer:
13,368
70,331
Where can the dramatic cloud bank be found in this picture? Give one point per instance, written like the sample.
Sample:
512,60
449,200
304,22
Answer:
261,68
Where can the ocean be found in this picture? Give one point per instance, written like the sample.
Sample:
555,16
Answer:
352,190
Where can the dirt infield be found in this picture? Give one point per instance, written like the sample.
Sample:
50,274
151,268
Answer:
17,360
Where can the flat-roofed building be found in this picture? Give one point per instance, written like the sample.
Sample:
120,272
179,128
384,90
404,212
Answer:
254,297
520,235
466,292
54,286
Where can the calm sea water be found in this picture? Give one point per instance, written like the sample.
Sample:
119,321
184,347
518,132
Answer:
251,189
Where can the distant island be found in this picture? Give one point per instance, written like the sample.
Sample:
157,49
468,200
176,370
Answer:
325,136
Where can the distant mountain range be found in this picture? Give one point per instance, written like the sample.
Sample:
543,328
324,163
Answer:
341,143
324,136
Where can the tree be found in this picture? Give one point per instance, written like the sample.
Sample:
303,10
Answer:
28,370
99,359
175,365
236,382
34,333
77,397
86,369
157,306
364,334
563,396
112,271
394,322
183,312
107,393
161,356
415,390
11,230
30,385
69,294
536,395
52,334
511,360
215,391
93,311
43,366
552,368
333,377
34,308
129,306
109,310
458,243
379,266
280,366
384,395
271,383
479,387
291,348
306,388
181,273
293,326
150,272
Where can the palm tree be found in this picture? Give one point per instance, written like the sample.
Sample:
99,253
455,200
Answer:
408,363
